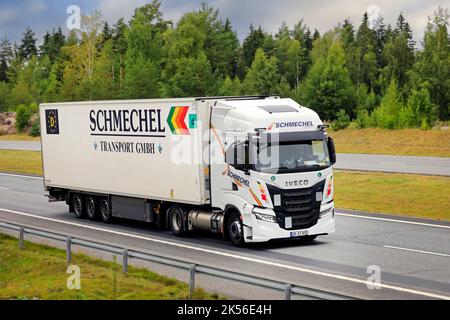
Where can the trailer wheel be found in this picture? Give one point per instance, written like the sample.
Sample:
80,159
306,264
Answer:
91,207
78,206
235,229
105,210
176,221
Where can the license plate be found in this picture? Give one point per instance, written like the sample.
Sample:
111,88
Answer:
300,233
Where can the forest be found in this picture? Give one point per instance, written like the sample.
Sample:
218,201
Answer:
360,75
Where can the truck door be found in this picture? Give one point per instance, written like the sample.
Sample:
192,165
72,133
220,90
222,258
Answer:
220,182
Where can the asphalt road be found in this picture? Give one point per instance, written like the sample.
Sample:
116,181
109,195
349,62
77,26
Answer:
412,254
389,163
360,162
21,145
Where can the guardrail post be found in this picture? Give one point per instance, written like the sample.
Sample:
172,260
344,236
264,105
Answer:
125,261
287,292
191,281
21,238
69,249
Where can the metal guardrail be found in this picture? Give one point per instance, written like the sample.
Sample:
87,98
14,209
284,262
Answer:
286,288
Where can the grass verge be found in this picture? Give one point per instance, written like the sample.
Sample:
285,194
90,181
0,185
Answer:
18,137
28,162
403,194
40,272
410,142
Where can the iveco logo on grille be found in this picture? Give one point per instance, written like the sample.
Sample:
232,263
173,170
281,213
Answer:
296,183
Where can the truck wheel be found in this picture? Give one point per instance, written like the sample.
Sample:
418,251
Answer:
235,229
105,211
91,208
78,206
176,217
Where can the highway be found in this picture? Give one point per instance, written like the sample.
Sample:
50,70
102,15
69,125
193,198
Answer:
361,162
413,254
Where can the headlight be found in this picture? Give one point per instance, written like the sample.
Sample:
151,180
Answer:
326,213
264,217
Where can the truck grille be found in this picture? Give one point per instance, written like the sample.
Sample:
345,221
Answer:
300,204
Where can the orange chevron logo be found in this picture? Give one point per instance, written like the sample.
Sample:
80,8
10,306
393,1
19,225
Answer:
176,122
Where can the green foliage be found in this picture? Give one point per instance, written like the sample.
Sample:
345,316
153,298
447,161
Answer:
342,120
193,78
420,112
433,64
263,76
363,119
230,87
328,87
23,114
388,113
36,129
4,91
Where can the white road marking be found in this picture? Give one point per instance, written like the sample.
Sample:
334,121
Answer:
4,188
394,220
419,251
19,176
236,256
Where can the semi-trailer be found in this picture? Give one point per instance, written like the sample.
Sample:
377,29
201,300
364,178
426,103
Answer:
250,168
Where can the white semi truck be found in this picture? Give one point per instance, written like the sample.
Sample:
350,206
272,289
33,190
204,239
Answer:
250,169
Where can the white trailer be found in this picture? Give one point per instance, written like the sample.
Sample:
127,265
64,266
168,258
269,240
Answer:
193,164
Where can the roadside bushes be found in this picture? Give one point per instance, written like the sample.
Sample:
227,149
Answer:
36,128
393,113
23,115
342,121
27,119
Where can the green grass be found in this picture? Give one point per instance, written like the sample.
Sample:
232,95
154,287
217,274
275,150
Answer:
18,137
28,162
403,194
39,272
411,142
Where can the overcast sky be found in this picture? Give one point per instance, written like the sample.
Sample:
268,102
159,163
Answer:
42,15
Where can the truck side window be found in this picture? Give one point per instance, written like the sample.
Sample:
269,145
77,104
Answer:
237,154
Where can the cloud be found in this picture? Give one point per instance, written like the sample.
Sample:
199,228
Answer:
113,10
8,14
35,7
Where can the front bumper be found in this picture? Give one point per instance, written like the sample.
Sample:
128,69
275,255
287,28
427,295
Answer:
257,230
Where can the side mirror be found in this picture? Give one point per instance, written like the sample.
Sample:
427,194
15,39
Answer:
331,150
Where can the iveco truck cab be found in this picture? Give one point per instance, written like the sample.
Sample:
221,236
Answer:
275,170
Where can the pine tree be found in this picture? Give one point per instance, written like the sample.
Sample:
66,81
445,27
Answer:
252,42
27,49
432,70
119,47
6,56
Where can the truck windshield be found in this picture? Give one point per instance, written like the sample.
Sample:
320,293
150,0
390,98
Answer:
293,156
